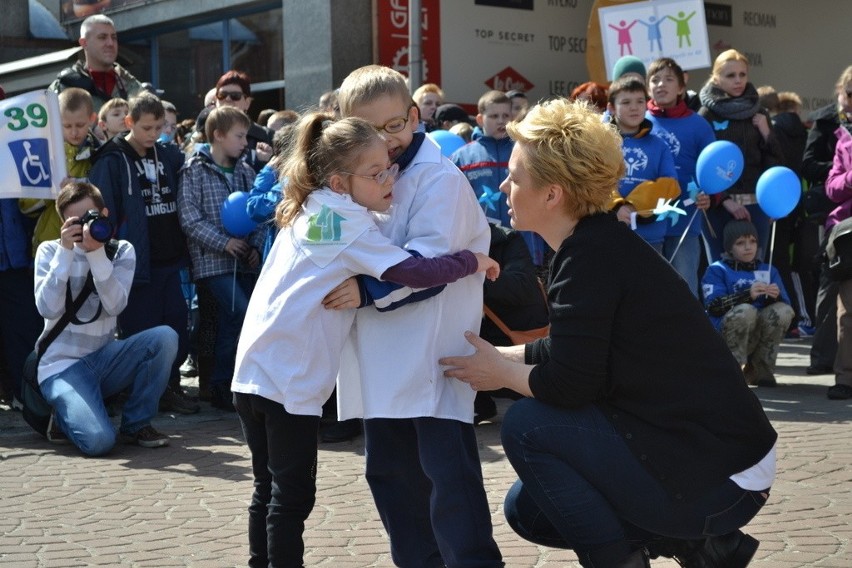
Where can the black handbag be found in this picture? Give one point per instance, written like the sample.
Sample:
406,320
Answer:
838,251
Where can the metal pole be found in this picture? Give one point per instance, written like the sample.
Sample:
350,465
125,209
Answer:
415,38
226,45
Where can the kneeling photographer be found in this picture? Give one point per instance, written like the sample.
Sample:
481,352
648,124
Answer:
82,282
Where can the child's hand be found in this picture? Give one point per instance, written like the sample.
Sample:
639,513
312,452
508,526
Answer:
264,151
344,297
758,289
252,258
772,290
487,265
702,201
237,248
736,210
623,213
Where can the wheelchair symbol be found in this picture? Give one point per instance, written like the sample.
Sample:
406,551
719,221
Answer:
31,158
32,167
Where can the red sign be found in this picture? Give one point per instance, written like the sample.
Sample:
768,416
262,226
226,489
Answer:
508,79
393,37
78,9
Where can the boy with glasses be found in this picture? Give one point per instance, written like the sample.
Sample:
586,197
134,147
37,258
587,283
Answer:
414,417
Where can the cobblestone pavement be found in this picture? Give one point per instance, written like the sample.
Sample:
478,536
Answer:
186,505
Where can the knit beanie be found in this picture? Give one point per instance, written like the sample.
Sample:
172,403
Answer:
735,229
628,64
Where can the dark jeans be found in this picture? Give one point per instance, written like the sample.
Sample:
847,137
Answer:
232,297
824,346
580,487
284,463
20,322
426,480
159,302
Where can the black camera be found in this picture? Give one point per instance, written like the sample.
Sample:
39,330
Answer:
99,226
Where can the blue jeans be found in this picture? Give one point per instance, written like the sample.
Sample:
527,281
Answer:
231,305
580,487
140,362
426,480
284,462
687,258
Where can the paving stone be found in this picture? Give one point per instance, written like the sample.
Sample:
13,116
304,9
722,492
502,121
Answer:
186,505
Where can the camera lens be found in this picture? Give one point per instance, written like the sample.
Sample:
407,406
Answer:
100,229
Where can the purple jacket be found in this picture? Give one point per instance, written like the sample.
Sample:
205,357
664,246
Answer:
838,185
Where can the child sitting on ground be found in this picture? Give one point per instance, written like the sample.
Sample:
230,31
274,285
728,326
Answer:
747,303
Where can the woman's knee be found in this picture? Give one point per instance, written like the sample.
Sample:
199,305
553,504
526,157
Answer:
517,421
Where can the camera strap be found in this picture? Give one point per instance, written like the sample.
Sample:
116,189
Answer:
72,307
69,315
88,288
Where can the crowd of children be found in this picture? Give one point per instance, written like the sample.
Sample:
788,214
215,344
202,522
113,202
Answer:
279,297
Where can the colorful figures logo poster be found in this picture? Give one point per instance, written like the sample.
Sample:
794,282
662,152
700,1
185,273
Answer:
650,30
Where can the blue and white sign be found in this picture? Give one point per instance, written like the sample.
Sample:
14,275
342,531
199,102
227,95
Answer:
32,156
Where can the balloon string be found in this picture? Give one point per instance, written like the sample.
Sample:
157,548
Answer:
234,286
771,247
683,236
709,225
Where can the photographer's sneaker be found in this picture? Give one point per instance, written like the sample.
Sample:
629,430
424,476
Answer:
147,437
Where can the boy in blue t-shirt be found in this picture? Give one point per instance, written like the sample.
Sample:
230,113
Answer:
649,165
746,301
687,134
485,163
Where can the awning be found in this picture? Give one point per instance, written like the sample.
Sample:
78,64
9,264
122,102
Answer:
42,23
35,72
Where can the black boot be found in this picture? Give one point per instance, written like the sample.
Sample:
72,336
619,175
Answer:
732,550
638,559
222,398
342,431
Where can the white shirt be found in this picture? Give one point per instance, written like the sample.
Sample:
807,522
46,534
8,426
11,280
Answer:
397,375
290,345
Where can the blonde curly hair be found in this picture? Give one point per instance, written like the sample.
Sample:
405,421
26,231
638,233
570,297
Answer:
566,144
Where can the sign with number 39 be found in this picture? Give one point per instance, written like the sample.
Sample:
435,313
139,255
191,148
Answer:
32,156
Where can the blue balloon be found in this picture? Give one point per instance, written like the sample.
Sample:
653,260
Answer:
448,141
235,217
778,191
719,166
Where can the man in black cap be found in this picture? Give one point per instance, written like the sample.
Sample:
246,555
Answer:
448,115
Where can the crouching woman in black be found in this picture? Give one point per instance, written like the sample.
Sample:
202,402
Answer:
638,435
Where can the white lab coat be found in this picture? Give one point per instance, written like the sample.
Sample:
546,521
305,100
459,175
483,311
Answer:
390,369
290,345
